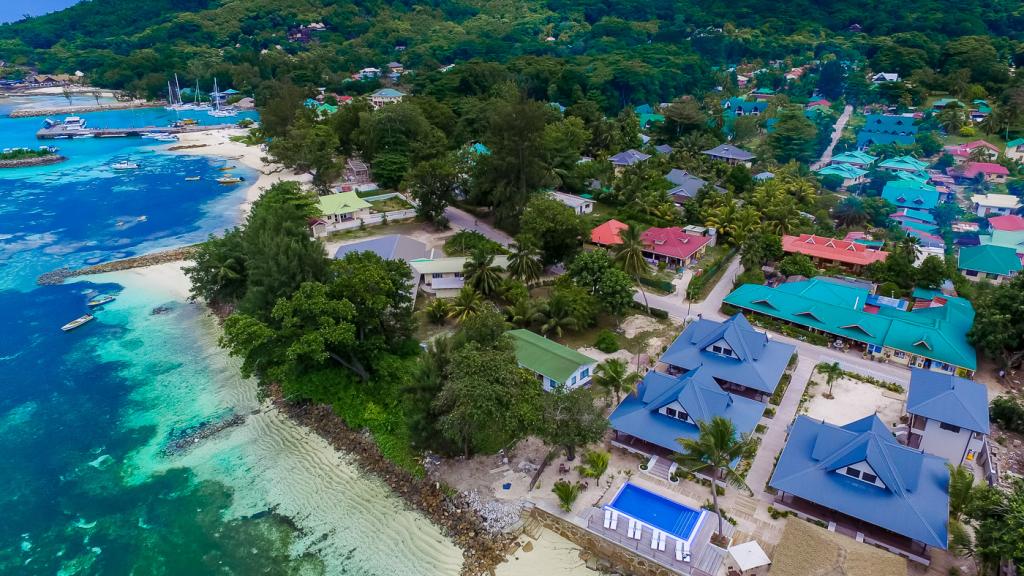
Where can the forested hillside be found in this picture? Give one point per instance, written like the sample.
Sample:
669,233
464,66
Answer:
617,52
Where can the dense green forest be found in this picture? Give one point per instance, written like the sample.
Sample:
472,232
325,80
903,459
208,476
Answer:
616,53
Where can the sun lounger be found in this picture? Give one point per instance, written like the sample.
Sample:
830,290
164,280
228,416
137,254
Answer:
615,520
679,550
639,531
607,518
686,551
654,540
661,542
632,527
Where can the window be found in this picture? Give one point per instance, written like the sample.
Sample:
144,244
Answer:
971,273
671,412
437,275
853,472
585,373
868,477
716,349
573,381
900,354
458,274
949,427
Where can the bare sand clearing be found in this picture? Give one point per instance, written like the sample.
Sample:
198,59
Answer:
852,400
808,550
550,555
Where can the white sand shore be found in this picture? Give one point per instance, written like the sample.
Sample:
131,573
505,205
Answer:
218,143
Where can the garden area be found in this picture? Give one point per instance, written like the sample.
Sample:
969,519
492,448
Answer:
838,397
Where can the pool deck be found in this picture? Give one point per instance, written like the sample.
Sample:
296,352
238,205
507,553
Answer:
705,559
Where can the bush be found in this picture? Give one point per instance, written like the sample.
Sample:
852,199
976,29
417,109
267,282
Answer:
607,342
701,284
656,312
775,513
1008,412
755,276
780,390
769,412
466,242
663,285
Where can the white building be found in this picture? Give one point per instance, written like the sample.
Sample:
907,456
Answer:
579,205
994,204
948,416
385,96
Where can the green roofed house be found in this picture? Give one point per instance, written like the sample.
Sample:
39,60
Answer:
555,365
337,208
903,164
930,334
854,158
647,119
997,264
910,194
850,174
1015,149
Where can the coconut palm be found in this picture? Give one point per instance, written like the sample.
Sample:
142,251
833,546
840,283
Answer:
832,373
629,255
526,312
615,378
711,452
437,310
850,212
567,493
481,273
961,491
467,303
556,316
524,262
595,464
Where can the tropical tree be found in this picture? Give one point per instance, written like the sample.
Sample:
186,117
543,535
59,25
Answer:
850,212
468,303
629,255
438,310
570,418
524,262
526,312
595,464
481,273
711,453
567,493
961,491
615,378
832,372
556,315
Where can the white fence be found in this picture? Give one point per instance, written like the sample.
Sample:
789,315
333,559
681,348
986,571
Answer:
369,220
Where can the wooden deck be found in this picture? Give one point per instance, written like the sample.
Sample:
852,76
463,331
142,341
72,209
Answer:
705,559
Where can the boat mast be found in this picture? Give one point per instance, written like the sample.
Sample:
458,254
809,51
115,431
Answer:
216,95
177,88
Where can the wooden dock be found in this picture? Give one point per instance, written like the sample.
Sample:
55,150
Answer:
58,131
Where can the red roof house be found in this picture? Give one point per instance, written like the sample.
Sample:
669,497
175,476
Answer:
988,170
674,245
607,234
832,250
1010,222
963,151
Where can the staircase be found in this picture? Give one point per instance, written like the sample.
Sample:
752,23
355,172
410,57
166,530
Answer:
532,526
660,467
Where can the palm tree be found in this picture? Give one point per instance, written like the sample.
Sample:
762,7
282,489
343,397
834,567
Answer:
630,257
595,464
467,303
961,491
832,373
850,212
438,310
712,451
556,316
526,313
524,262
481,273
615,378
567,494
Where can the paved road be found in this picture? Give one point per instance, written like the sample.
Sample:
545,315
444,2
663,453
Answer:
462,220
826,156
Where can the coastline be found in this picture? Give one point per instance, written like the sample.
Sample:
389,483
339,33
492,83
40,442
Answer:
29,162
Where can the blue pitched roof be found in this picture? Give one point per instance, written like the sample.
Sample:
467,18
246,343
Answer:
390,247
734,105
948,398
910,194
887,129
628,157
758,363
698,394
914,501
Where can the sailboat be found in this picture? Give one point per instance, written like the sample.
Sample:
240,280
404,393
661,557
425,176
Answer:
174,96
197,104
217,112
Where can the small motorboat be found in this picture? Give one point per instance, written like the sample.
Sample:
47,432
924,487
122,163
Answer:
226,168
100,301
191,178
166,138
229,179
124,165
77,322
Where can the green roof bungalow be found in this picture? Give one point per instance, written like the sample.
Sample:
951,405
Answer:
997,264
1015,149
903,164
336,210
647,119
855,158
850,174
943,103
555,365
910,194
931,334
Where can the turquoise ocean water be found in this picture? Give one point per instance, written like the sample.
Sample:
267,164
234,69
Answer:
85,486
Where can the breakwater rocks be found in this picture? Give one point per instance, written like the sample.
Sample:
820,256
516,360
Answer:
59,275
181,440
37,161
453,513
72,110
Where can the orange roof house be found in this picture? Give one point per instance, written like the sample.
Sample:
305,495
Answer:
607,234
832,250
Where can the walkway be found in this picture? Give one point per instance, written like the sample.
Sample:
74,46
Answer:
462,220
774,439
837,133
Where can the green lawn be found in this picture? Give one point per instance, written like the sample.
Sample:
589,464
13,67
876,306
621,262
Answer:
392,204
399,227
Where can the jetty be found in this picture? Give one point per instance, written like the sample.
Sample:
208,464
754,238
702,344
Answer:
59,131
58,276
80,109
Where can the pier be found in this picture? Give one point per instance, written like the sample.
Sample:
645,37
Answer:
59,131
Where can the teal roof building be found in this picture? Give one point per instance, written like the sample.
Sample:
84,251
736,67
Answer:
910,194
988,261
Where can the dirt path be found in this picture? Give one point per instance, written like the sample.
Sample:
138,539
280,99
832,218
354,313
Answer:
837,133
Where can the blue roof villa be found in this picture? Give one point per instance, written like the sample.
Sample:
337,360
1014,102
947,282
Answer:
882,129
712,369
865,484
948,416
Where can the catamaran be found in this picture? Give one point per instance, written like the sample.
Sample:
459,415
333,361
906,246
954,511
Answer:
77,322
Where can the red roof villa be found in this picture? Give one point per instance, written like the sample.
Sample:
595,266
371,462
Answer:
988,171
828,251
674,246
962,152
607,234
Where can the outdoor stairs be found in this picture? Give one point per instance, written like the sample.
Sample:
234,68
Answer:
533,527
744,507
662,468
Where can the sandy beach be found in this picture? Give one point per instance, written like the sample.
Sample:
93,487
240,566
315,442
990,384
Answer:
218,143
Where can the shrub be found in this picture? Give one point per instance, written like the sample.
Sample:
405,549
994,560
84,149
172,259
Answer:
769,412
1008,412
567,494
754,276
775,513
663,285
760,429
437,311
465,242
607,341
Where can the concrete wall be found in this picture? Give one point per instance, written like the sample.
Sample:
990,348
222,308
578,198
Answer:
952,446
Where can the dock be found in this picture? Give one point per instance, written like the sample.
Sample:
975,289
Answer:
58,131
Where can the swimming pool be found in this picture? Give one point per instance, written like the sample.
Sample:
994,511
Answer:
657,511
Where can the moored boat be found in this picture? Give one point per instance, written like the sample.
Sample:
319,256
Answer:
229,179
77,322
124,165
100,301
191,178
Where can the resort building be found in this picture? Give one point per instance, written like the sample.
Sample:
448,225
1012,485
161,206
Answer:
1007,223
712,369
984,171
553,364
1015,150
883,129
863,483
385,96
607,234
948,416
578,204
826,252
929,333
685,186
443,277
1013,239
910,194
855,158
978,149
904,164
336,209
994,204
997,264
850,174
675,246
741,107
731,155
883,77
627,158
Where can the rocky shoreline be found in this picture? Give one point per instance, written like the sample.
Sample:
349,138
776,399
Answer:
72,110
453,513
37,161
58,276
